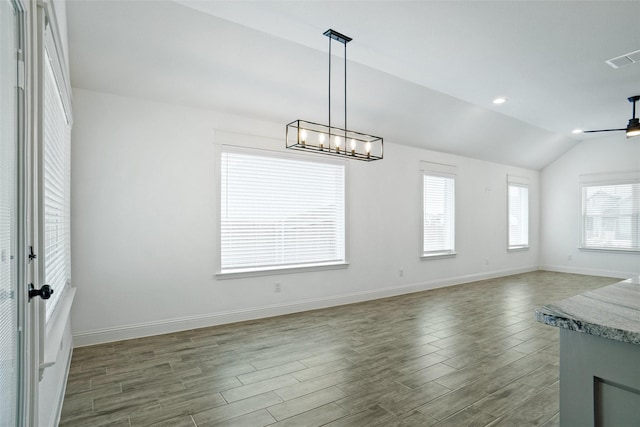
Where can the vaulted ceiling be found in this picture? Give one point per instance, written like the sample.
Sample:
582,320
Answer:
420,73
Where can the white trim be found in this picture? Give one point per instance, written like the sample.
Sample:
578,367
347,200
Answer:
265,152
59,398
590,271
438,255
517,180
623,177
609,250
438,168
117,333
56,326
280,270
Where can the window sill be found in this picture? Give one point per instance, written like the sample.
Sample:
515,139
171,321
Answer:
282,270
518,248
439,256
56,326
610,250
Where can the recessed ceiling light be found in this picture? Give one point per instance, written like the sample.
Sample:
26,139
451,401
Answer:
577,131
500,100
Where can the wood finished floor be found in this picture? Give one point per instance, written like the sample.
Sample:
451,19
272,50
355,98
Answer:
459,356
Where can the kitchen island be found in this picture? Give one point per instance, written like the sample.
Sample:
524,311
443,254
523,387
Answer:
599,355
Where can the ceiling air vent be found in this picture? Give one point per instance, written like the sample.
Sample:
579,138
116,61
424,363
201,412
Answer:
624,60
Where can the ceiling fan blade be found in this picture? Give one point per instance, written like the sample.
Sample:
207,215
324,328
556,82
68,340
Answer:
632,129
603,130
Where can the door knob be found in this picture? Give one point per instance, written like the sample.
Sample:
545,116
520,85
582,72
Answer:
44,292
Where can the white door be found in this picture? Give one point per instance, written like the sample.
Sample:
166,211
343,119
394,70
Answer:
11,260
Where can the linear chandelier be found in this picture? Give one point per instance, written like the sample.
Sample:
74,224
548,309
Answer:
331,140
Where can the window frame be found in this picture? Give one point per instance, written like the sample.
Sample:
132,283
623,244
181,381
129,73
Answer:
52,322
610,179
522,182
443,171
285,268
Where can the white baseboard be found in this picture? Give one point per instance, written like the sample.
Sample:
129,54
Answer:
589,271
165,326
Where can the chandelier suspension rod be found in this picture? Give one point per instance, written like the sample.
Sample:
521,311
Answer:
345,95
344,42
329,91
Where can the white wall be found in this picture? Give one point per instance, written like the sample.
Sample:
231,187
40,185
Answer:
562,206
143,230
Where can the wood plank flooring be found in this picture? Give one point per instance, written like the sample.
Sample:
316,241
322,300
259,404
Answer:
469,355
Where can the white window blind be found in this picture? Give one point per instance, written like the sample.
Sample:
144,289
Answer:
280,211
518,205
438,186
55,188
611,213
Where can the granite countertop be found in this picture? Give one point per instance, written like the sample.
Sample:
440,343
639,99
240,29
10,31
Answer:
611,312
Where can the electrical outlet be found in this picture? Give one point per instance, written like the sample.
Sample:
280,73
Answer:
401,272
569,257
277,287
486,261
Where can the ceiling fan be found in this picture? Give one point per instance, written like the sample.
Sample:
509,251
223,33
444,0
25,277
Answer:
632,129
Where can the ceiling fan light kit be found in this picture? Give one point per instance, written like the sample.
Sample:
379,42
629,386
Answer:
632,129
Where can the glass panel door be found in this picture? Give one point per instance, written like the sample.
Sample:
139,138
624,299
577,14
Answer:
9,346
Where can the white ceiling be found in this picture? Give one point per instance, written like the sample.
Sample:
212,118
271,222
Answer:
420,73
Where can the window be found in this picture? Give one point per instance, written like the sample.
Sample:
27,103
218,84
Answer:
56,183
518,206
438,191
611,211
280,211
